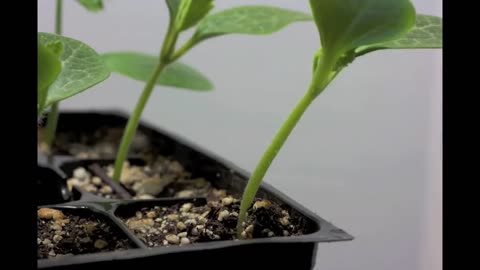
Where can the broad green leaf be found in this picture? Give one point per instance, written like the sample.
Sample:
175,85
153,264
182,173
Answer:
48,68
348,24
92,5
254,20
140,66
427,33
191,12
82,68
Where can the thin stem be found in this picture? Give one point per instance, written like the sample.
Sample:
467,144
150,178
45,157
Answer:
321,78
169,44
166,52
133,121
270,154
52,118
51,125
58,18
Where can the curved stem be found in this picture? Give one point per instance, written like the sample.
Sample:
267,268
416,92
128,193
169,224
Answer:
270,154
321,78
133,121
52,118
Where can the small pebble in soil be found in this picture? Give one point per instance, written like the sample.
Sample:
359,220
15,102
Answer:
49,213
184,241
81,174
284,221
57,238
223,214
100,244
96,180
172,238
144,197
261,204
227,200
181,226
186,207
151,214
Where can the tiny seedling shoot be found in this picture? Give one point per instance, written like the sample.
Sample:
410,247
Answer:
166,70
348,29
66,67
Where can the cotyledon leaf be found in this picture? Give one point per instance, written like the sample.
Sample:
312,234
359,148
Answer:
82,68
426,34
139,66
48,68
348,24
253,20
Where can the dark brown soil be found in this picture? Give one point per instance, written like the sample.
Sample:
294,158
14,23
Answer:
62,233
184,224
102,143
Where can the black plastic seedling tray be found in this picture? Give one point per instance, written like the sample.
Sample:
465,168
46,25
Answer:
294,252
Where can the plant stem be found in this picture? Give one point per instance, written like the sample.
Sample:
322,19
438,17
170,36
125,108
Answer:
270,154
166,53
58,18
321,78
52,118
51,124
133,121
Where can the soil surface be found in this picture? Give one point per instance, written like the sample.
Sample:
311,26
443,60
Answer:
184,224
84,180
164,178
61,234
102,143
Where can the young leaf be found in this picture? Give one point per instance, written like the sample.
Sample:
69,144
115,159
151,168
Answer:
348,24
82,68
48,68
254,20
92,5
427,33
139,66
190,12
56,47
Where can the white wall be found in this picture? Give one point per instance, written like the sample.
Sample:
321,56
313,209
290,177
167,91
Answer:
366,156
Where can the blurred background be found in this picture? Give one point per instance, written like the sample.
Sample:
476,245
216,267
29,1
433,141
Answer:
366,156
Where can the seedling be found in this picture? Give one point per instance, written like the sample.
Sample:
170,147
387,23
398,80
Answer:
166,70
348,29
66,67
